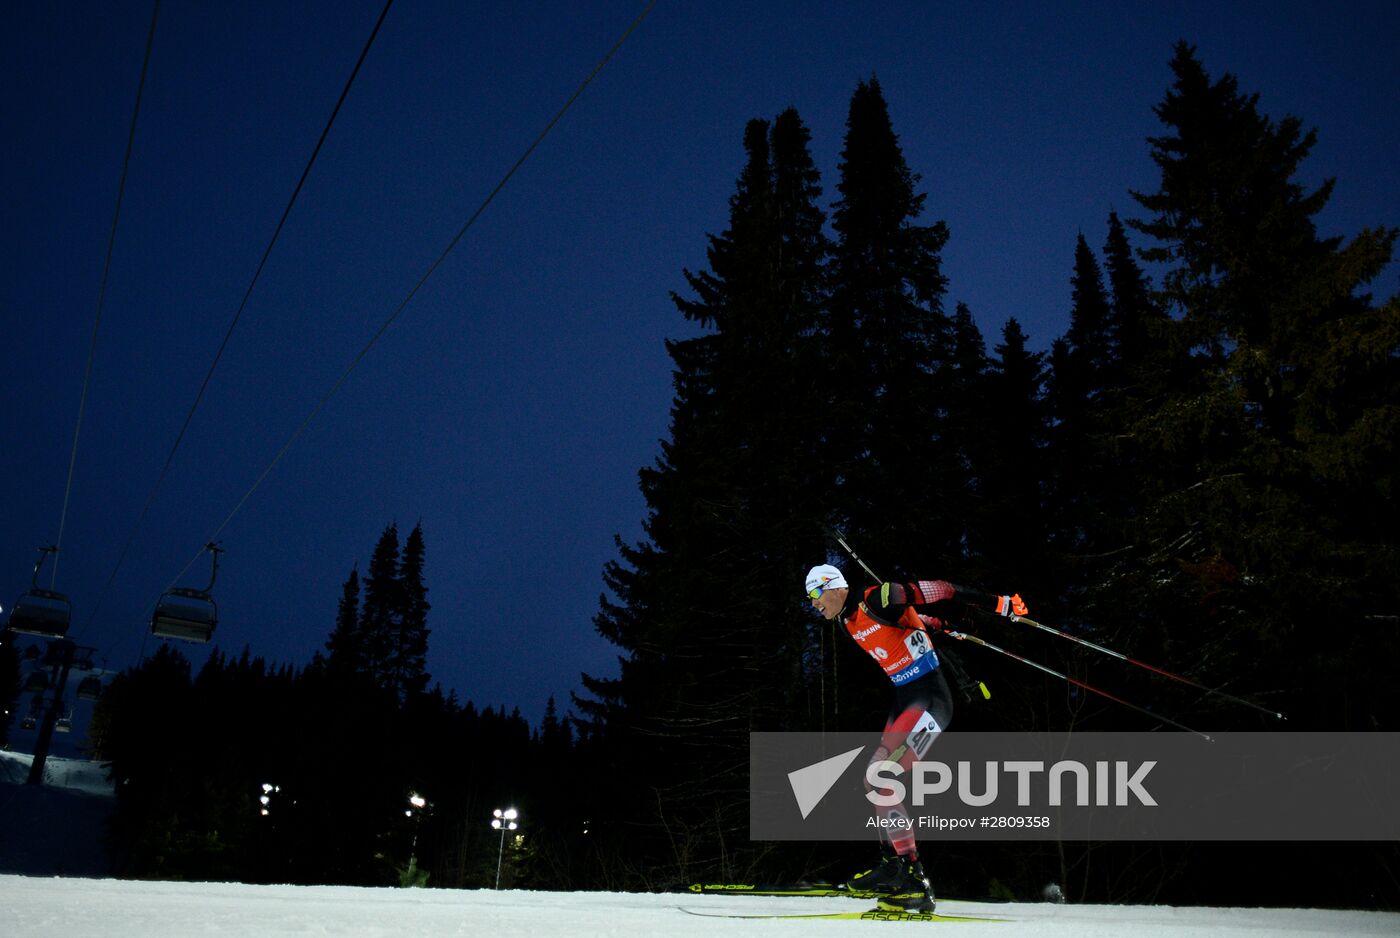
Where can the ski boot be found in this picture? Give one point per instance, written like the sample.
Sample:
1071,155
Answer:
877,879
908,890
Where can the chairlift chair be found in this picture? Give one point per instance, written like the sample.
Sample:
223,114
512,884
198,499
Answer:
188,614
90,687
36,707
41,612
36,683
64,724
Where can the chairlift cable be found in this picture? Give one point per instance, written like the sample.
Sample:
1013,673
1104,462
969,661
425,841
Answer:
325,399
102,290
233,324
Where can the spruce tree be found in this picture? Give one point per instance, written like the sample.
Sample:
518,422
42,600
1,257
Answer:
699,673
1140,328
967,446
382,610
407,666
384,640
345,646
1010,530
1090,333
1150,356
1243,529
1083,366
889,341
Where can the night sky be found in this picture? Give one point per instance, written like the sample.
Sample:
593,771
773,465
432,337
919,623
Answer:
512,403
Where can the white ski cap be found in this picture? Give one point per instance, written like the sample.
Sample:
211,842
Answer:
825,577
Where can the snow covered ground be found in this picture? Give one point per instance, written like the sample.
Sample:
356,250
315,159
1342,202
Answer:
104,908
51,829
76,775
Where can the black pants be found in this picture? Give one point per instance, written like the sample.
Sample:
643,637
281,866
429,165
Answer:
921,710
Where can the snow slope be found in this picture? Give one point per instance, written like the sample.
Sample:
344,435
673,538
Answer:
76,775
103,908
52,829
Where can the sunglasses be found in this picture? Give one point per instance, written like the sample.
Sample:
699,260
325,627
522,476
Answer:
816,592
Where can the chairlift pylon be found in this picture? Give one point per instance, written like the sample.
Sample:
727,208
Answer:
40,611
188,614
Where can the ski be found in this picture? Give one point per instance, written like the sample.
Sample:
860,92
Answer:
813,890
870,915
818,890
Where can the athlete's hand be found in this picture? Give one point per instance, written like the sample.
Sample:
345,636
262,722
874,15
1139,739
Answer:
893,594
1012,605
934,624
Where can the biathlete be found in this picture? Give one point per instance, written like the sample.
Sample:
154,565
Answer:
892,623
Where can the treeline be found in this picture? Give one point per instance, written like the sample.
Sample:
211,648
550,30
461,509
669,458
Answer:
1201,472
258,773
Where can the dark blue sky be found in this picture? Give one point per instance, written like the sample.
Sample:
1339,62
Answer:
512,403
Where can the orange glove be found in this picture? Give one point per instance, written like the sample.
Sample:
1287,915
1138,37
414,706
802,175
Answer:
1012,605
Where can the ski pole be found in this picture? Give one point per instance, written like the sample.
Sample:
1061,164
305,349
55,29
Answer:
841,539
1143,664
964,637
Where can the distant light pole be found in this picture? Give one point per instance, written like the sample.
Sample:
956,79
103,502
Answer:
418,803
265,799
412,876
503,821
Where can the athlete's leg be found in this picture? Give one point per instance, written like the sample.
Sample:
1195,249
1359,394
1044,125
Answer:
921,711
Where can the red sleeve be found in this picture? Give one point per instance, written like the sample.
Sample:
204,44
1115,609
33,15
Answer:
924,592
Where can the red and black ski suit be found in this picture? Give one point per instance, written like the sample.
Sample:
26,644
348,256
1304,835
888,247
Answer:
891,623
